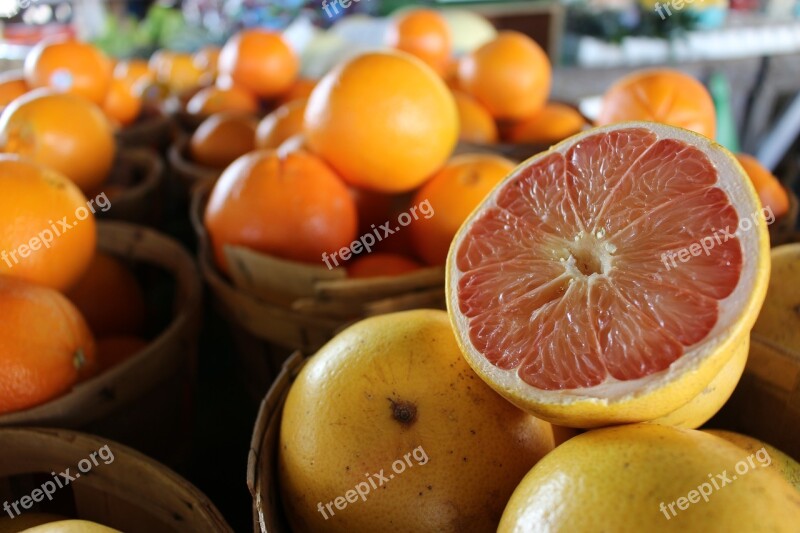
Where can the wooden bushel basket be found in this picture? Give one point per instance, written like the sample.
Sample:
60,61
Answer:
144,401
296,306
131,492
187,172
262,461
134,187
153,129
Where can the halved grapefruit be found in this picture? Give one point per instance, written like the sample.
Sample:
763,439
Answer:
580,288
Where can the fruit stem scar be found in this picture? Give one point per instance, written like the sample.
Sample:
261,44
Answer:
79,359
403,412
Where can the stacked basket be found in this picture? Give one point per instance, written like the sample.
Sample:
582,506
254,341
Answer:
277,306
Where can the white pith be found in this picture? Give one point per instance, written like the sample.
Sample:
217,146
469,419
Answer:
728,325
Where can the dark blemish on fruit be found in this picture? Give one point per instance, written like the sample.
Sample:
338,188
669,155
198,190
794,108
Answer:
404,412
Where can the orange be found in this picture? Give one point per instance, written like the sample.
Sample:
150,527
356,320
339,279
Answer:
290,206
423,33
45,346
384,120
109,298
122,104
48,232
510,75
206,59
215,99
63,131
133,72
551,124
12,86
452,194
301,89
476,124
770,190
178,71
286,121
381,264
260,61
112,351
660,95
443,452
221,138
69,66
593,286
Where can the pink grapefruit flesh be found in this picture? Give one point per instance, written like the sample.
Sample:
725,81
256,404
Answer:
568,274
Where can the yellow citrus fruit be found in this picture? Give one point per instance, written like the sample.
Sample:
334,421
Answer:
392,396
777,322
25,521
645,477
71,526
611,278
384,120
787,467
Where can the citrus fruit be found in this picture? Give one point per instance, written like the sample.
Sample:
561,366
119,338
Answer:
111,351
381,264
180,73
25,521
383,120
207,58
660,95
769,188
260,61
475,122
44,239
12,86
133,72
787,467
221,138
72,526
423,33
470,30
301,89
215,99
109,298
62,131
551,124
286,121
645,477
391,395
611,278
509,75
290,206
45,345
778,321
452,194
122,104
69,66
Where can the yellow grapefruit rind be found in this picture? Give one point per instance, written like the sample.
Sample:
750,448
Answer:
661,393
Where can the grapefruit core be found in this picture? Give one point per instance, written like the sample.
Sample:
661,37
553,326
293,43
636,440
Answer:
557,287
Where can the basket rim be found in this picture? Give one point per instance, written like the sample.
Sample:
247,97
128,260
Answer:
180,486
186,167
271,406
141,158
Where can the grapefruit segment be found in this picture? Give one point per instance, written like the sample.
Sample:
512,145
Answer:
605,266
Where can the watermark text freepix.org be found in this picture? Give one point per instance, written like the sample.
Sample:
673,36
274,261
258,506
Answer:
367,241
717,482
363,488
59,481
58,228
332,8
718,237
677,5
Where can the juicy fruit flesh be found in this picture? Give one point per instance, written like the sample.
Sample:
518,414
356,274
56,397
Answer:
563,277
